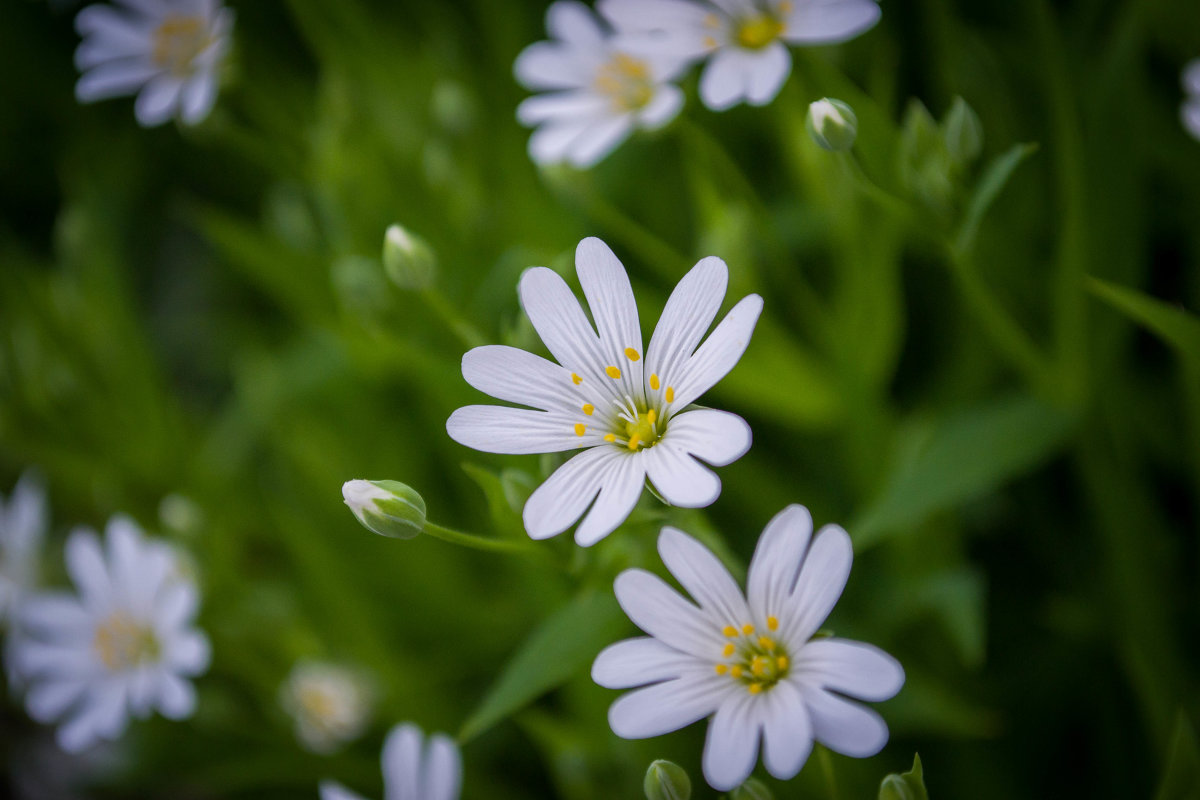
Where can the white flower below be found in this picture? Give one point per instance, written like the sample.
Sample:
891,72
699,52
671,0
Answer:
22,528
413,768
167,52
752,662
625,407
745,40
123,646
1189,112
596,92
331,704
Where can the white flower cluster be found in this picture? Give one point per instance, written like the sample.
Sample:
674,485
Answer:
603,79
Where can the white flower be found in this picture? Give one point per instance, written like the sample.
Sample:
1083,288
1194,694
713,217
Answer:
331,704
22,526
123,646
751,661
165,51
1189,112
413,769
599,92
629,413
746,39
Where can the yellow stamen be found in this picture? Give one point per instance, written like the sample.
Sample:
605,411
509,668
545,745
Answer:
580,428
759,31
631,354
773,623
608,437
755,688
736,670
710,42
722,669
782,662
730,630
633,441
575,379
766,643
747,629
626,81
654,384
652,415
670,394
588,409
729,649
612,372
757,666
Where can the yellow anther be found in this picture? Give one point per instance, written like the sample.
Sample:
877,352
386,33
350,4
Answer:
633,441
575,379
651,415
580,428
588,408
747,629
722,669
710,42
711,21
755,688
759,31
654,384
729,630
736,670
758,666
608,437
785,7
729,649
766,643
670,394
773,623
631,354
781,663
612,372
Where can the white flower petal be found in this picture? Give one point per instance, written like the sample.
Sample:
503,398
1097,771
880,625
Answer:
1191,77
822,579
442,775
768,69
55,616
787,731
188,653
845,727
777,559
718,437
704,577
199,96
176,696
551,65
665,106
569,107
680,479
723,82
332,790
598,140
176,607
620,489
560,322
658,610
736,8
550,143
47,700
156,102
24,519
516,431
667,706
649,15
636,662
1190,115
114,79
829,23
106,24
731,747
689,312
101,715
852,668
614,310
565,495
34,659
572,22
86,566
720,352
142,686
402,763
518,376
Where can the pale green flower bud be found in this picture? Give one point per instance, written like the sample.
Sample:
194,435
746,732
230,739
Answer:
963,132
905,785
388,508
666,780
752,789
832,124
408,259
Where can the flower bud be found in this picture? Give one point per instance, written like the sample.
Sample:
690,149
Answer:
905,785
752,789
963,133
408,259
666,780
388,508
832,124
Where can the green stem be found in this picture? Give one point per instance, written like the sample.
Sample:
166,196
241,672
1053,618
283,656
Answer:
827,769
477,542
467,333
863,182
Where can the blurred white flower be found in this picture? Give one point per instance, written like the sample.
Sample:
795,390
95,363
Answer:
1189,112
746,39
330,703
22,527
124,646
629,414
597,92
751,662
413,768
167,52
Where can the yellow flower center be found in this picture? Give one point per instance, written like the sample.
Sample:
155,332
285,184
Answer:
758,31
634,422
177,41
626,81
122,643
756,661
317,703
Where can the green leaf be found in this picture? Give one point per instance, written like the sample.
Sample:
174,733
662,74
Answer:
905,786
1181,778
497,491
1174,326
965,456
565,642
987,190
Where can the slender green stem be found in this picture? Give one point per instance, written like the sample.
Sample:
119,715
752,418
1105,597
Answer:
863,182
477,542
467,333
827,769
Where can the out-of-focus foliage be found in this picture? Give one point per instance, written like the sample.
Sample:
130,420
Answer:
979,356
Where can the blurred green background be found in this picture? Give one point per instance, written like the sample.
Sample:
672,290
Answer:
959,362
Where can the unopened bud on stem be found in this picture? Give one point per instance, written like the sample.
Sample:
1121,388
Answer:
666,780
388,508
832,124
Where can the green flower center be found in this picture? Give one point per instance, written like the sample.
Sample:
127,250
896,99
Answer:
122,643
757,662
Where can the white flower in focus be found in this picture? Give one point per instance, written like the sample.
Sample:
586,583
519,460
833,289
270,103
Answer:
597,93
22,527
1189,112
625,407
331,704
413,768
124,646
751,662
167,52
745,40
